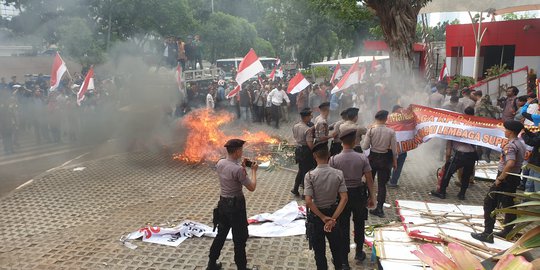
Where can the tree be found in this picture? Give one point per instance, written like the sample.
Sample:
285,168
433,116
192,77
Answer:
513,16
77,41
398,19
227,36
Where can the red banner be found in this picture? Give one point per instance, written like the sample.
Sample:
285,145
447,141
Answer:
418,124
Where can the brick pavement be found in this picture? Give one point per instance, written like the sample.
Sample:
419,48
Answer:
73,220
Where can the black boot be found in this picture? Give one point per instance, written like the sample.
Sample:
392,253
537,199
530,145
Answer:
377,212
483,236
441,195
360,256
214,266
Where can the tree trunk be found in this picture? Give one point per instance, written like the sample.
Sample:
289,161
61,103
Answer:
398,20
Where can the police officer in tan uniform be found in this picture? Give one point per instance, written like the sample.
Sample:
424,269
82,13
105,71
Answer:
321,188
335,147
303,154
321,131
352,123
381,140
231,210
354,165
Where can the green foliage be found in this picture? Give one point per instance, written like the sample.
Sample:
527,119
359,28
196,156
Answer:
496,70
263,47
463,81
512,16
76,40
227,36
322,72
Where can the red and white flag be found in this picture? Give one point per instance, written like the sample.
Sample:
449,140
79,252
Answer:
444,72
297,84
354,75
179,79
272,74
249,67
58,69
260,81
279,72
86,85
374,64
277,62
337,73
233,92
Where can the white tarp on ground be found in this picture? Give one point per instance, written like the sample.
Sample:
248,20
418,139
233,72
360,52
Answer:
287,221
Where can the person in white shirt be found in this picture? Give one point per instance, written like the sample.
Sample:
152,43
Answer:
532,109
210,104
276,97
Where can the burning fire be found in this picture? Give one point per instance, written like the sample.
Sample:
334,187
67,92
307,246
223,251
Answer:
205,138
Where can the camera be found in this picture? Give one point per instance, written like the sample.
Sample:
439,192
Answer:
248,162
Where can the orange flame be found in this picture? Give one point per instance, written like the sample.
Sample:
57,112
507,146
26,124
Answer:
205,139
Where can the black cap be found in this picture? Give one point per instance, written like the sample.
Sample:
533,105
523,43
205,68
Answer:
234,143
346,133
396,108
352,112
319,146
305,112
324,104
382,114
513,125
344,112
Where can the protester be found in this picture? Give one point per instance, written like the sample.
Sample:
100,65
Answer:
533,164
276,97
396,172
436,99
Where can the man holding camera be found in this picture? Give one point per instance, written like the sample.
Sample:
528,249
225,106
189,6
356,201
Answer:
231,210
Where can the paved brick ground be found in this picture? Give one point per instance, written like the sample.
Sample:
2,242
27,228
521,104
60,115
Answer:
73,220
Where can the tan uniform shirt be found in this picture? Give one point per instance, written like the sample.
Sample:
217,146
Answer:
353,165
380,139
320,128
360,131
232,176
300,131
336,129
324,183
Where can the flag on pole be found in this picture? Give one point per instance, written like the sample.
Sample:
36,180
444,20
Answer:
179,79
279,72
354,75
233,92
297,84
337,73
260,81
249,67
444,72
374,64
272,74
86,85
278,62
58,69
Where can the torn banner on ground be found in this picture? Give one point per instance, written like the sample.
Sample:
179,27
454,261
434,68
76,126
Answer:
287,221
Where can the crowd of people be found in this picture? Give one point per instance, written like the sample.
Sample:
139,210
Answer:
51,116
334,162
187,53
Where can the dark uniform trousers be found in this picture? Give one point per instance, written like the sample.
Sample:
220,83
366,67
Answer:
381,165
356,205
460,160
232,214
335,148
306,163
275,111
493,200
334,238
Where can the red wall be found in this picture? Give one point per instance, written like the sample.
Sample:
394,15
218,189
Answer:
498,33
